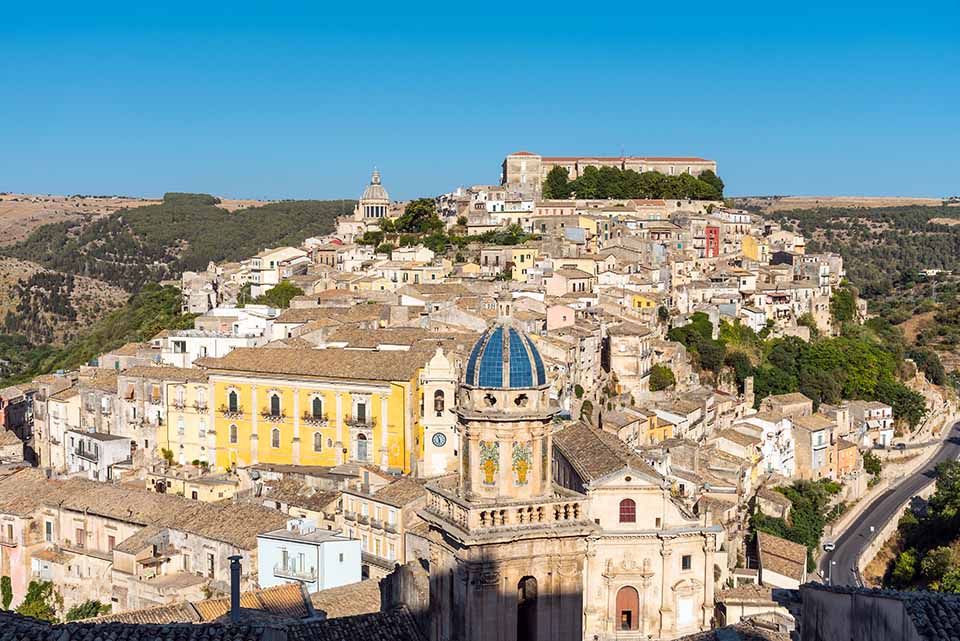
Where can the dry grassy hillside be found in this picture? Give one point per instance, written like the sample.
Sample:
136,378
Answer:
780,203
22,213
91,298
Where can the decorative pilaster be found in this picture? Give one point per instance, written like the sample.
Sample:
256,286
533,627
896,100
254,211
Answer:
254,427
384,443
340,430
296,426
666,594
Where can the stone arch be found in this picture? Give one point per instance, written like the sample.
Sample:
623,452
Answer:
628,608
527,609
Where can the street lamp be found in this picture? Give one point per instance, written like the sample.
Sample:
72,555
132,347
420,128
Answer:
830,572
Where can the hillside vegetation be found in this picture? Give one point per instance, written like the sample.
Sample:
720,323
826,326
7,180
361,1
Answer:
152,309
184,232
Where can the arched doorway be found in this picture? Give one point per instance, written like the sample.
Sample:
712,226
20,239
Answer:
628,608
361,447
527,609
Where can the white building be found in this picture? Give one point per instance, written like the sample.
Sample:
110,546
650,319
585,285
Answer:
319,559
777,447
271,266
180,348
95,454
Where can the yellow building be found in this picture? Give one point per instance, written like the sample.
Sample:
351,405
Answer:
644,302
199,487
522,259
755,249
304,406
184,433
658,429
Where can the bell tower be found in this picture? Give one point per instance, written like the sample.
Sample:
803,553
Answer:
507,545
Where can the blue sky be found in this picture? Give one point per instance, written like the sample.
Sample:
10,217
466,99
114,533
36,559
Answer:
289,100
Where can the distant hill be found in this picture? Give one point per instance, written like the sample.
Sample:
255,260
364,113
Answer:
132,247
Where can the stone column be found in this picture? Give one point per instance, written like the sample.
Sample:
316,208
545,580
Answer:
254,434
296,426
384,443
666,595
339,423
708,607
211,428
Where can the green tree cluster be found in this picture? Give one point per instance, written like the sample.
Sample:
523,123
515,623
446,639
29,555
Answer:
661,378
809,502
87,610
612,182
6,591
42,601
420,217
280,295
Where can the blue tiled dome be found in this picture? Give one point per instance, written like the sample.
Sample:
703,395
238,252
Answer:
505,357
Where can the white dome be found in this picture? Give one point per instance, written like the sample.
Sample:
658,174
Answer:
375,190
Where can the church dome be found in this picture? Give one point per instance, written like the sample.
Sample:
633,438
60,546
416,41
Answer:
375,190
504,357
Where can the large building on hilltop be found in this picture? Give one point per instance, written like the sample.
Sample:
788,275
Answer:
525,171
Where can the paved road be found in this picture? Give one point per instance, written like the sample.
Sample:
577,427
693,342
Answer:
842,562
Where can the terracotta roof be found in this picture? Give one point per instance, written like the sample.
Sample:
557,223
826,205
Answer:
594,454
299,495
782,556
167,373
362,597
737,437
813,422
326,363
747,592
285,601
744,631
395,625
171,613
9,437
401,492
338,314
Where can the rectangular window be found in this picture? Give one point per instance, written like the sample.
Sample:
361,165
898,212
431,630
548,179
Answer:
48,531
111,541
211,565
81,537
686,562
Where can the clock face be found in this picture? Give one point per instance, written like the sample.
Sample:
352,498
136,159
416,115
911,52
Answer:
439,439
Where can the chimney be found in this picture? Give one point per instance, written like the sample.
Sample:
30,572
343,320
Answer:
235,588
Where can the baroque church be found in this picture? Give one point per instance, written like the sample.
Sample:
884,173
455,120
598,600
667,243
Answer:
553,531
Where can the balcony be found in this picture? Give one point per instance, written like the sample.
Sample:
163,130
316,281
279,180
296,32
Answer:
350,516
360,423
390,527
8,542
226,412
270,417
200,407
308,574
316,420
376,524
363,519
178,403
87,455
555,512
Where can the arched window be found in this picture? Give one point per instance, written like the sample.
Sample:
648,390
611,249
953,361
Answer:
317,407
275,437
233,401
233,433
628,608
438,402
275,405
628,511
317,442
527,609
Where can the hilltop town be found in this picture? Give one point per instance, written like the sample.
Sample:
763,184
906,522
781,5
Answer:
597,400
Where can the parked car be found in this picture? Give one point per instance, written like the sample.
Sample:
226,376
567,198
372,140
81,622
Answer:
829,547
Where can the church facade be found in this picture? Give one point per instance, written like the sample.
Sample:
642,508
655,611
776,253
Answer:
534,541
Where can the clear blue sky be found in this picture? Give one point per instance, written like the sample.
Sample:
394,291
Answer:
289,100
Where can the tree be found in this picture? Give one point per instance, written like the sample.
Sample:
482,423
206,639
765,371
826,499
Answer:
556,184
905,568
661,378
936,563
462,221
385,248
41,601
586,411
714,182
578,390
663,314
6,591
871,463
87,610
843,306
280,295
419,217
167,455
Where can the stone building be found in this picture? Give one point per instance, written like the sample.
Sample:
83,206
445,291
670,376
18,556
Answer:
525,171
507,545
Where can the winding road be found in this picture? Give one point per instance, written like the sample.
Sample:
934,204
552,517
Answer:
840,566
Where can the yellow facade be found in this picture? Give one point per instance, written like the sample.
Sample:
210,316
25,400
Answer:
522,262
355,421
184,432
754,248
658,430
643,302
